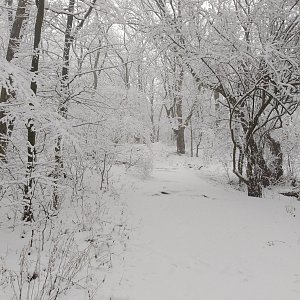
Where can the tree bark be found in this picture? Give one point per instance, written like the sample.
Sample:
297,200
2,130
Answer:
217,107
63,105
9,3
276,164
254,178
179,132
31,133
257,172
254,188
192,139
180,141
241,163
153,132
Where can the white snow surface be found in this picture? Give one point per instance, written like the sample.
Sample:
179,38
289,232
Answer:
205,240
192,236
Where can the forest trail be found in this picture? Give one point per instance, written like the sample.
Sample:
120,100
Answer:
197,239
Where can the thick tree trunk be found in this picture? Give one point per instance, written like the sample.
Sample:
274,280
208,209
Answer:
257,156
254,188
180,141
254,178
255,169
258,174
21,16
276,164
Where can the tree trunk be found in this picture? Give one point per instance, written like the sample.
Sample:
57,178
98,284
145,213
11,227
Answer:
241,164
179,132
63,105
180,142
31,133
13,46
254,188
9,3
217,107
197,149
192,139
257,171
276,164
254,179
257,156
158,124
153,133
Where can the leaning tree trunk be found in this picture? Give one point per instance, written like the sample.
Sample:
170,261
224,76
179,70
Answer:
9,4
21,16
31,133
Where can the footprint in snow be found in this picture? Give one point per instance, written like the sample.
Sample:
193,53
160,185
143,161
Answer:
274,243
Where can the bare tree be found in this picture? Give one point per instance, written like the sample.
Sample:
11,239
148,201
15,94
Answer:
69,36
31,131
21,15
260,86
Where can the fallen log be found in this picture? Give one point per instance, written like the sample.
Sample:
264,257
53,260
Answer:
292,194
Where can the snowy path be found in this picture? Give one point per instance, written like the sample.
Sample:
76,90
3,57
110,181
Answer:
206,241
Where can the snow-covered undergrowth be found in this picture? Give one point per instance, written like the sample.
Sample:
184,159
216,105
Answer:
69,253
66,252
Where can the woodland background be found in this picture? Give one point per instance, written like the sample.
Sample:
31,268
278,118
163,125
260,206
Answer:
87,86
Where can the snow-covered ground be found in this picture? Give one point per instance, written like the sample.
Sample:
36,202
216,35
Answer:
194,238
189,235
